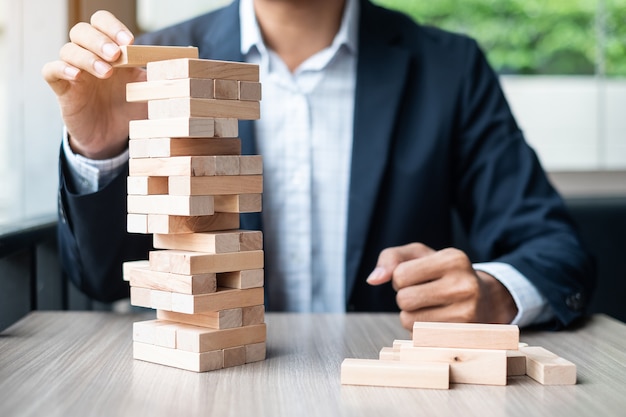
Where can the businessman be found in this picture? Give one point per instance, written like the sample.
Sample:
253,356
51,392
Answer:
374,130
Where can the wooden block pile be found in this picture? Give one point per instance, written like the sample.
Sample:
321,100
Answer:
462,353
187,185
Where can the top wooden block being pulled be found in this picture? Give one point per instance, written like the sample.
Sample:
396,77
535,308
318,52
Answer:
202,68
140,55
466,335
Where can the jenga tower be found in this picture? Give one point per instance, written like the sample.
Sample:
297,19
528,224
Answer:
187,185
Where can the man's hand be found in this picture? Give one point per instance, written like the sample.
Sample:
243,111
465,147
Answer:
91,93
441,286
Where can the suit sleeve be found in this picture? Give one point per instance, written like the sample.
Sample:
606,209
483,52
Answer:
93,241
509,208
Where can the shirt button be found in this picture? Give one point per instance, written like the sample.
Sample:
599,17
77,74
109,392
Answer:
576,301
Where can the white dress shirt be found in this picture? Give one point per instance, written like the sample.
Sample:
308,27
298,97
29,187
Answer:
305,137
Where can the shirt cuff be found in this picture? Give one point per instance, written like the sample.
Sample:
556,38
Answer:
91,175
532,307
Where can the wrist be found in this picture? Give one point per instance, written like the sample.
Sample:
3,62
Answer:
499,303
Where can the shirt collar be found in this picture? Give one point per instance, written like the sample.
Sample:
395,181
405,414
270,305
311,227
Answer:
251,34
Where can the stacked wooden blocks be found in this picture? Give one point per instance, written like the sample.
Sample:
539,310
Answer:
187,185
444,353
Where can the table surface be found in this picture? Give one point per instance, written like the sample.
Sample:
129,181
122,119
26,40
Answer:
80,364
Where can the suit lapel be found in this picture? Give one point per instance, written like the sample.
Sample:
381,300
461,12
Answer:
381,74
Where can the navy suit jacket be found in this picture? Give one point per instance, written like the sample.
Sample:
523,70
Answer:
432,134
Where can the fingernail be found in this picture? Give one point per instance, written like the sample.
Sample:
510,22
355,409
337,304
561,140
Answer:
123,37
109,50
71,72
376,275
101,67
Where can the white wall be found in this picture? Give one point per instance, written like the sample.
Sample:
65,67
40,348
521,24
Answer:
574,123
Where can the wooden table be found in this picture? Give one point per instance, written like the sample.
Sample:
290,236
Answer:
80,364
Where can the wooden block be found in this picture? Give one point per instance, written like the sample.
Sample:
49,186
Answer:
141,297
175,205
226,89
255,352
252,315
515,363
249,91
144,332
399,344
251,278
137,223
250,240
162,89
207,242
467,366
202,68
129,266
394,374
201,339
184,165
191,361
201,127
234,356
387,354
251,165
161,300
197,107
222,319
548,368
141,55
223,299
172,147
216,186
165,335
155,332
142,276
226,127
146,185
466,335
242,203
189,263
161,223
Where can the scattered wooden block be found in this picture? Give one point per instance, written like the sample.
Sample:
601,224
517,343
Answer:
242,203
223,299
175,127
140,275
185,165
172,147
146,185
207,242
202,68
251,278
190,263
175,205
161,223
191,361
222,319
197,107
467,366
249,91
515,363
226,89
216,185
394,374
253,315
255,352
548,368
201,339
141,55
163,89
466,335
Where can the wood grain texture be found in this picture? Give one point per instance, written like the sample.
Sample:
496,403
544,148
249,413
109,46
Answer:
241,203
162,89
188,262
147,185
466,335
139,275
175,205
196,127
547,367
87,360
383,373
172,147
197,107
185,165
141,55
216,186
202,68
222,319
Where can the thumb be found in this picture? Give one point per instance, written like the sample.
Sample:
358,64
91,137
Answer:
380,275
390,258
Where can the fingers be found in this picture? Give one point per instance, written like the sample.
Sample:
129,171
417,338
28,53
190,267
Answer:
451,314
94,45
57,74
453,288
390,258
430,267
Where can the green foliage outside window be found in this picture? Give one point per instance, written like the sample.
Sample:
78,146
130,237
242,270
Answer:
534,36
